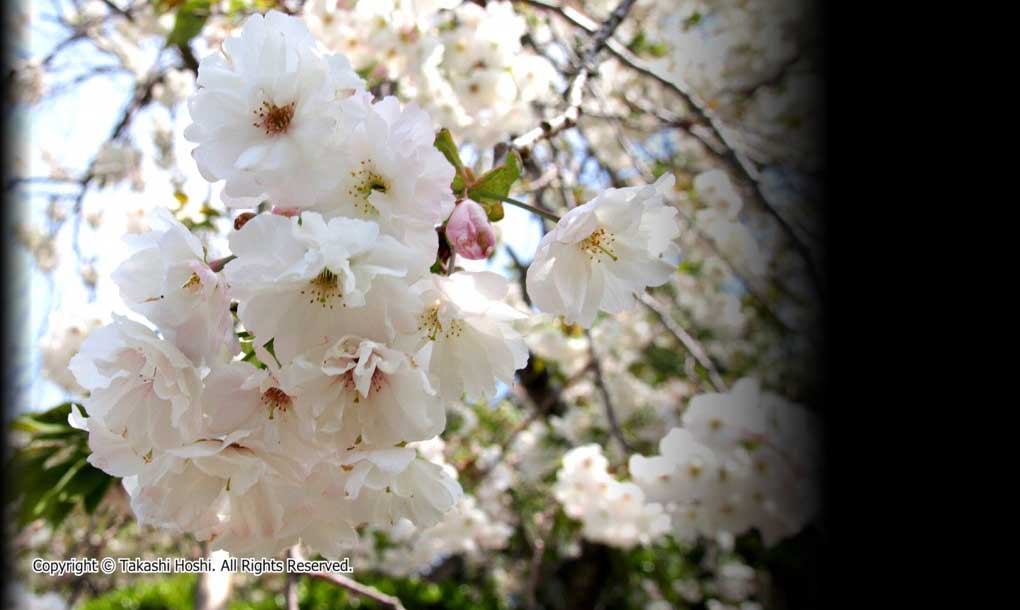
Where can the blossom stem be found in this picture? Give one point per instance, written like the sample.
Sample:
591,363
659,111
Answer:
217,265
520,204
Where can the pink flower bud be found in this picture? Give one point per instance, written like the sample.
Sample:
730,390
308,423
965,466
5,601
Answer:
470,232
380,72
286,211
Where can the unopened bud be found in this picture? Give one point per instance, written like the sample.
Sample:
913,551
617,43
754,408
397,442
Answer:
469,231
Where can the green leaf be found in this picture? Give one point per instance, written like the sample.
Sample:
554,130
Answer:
497,181
54,415
191,17
48,424
34,426
272,351
52,469
62,483
445,144
91,499
641,45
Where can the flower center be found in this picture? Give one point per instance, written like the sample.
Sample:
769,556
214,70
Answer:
193,282
366,182
274,119
598,243
429,324
374,386
324,289
275,398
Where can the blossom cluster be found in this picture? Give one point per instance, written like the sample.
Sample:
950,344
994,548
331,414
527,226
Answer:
288,380
611,512
461,61
300,426
742,459
64,338
471,529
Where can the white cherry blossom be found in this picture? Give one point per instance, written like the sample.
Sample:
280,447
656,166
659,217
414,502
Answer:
742,459
362,391
392,175
304,281
168,281
601,253
611,512
143,396
265,112
466,334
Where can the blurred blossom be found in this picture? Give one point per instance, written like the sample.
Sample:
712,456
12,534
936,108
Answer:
29,84
175,87
117,162
68,329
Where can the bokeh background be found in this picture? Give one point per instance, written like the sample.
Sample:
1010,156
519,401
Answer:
725,94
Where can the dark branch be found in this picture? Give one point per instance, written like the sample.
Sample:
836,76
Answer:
737,161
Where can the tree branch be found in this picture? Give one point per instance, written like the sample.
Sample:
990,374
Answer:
600,383
212,591
290,590
690,343
539,411
569,117
356,587
737,161
351,585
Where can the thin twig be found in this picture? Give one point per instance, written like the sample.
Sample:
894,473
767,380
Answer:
537,553
522,271
737,161
520,204
126,12
356,587
351,585
539,411
693,347
600,383
568,118
750,286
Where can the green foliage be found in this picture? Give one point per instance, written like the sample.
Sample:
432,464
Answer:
272,351
413,593
490,188
191,17
693,20
496,182
445,144
177,592
51,469
640,45
659,365
170,593
247,341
